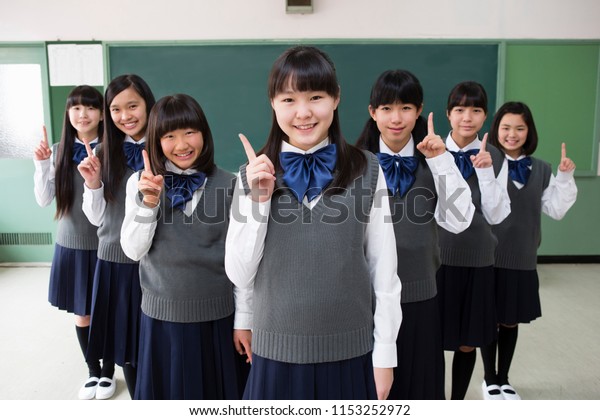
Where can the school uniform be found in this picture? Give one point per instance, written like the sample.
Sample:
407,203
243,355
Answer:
186,339
519,235
465,280
417,211
317,268
114,327
74,259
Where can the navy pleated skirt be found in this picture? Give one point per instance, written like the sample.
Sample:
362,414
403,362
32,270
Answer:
517,296
114,328
72,279
189,361
420,371
344,380
467,298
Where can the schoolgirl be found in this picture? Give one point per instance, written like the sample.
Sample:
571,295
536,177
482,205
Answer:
533,190
309,234
465,279
187,327
426,189
74,260
114,329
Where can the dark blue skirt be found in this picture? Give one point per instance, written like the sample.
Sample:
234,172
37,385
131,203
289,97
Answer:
467,298
517,296
420,371
189,361
114,328
72,279
344,380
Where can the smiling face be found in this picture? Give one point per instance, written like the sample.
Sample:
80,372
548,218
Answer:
128,112
512,134
395,122
304,116
466,121
85,120
182,146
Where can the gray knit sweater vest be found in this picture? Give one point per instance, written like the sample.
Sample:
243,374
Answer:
519,235
74,230
475,246
417,236
312,294
109,233
183,275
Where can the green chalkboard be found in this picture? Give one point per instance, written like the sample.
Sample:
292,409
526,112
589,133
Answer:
230,81
559,82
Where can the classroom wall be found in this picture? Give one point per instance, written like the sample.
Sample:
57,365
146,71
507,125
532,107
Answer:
43,20
356,22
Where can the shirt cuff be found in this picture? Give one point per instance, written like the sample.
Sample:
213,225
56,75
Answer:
97,192
485,174
242,321
440,164
384,355
564,176
42,164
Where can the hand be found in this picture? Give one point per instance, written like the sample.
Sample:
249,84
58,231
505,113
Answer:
150,185
42,151
384,377
90,169
242,340
566,164
483,159
260,173
432,145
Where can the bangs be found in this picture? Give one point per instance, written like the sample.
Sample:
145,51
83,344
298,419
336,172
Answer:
471,100
86,96
176,115
468,94
302,70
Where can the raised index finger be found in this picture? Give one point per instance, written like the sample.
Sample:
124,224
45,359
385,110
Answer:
250,154
430,129
45,135
88,149
563,153
483,143
147,166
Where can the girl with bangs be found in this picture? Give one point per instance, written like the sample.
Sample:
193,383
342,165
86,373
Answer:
176,219
310,236
465,279
116,297
74,260
426,190
533,190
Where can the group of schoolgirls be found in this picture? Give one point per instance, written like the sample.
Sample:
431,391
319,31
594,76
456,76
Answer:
283,281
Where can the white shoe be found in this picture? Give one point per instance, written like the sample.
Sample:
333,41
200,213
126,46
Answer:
509,392
88,389
106,388
490,392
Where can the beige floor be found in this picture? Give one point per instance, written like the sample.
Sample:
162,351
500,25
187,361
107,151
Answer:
557,357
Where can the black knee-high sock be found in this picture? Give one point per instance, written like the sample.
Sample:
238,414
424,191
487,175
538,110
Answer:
507,342
83,334
108,368
130,374
488,355
463,364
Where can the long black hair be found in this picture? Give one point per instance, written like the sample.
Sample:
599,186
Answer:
111,154
307,68
393,86
81,95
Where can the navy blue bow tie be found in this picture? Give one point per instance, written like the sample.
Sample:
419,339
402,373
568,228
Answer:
180,188
463,161
133,152
399,172
80,152
308,174
519,170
